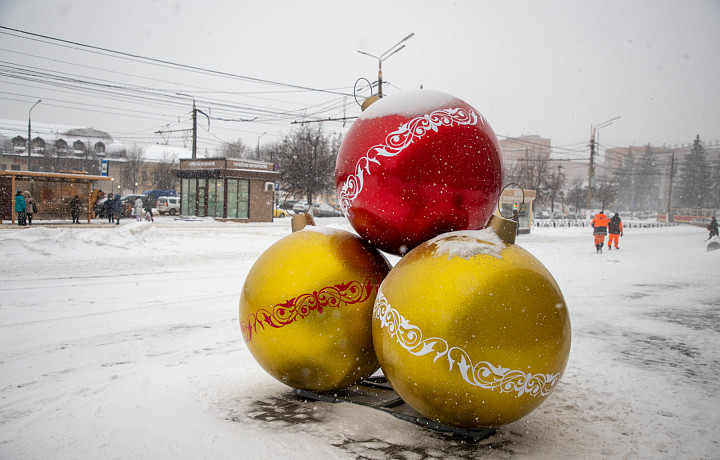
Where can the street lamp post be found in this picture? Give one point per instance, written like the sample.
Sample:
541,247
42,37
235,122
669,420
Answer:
394,49
29,139
591,168
257,151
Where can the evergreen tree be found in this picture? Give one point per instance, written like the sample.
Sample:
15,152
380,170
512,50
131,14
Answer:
715,184
695,178
625,180
647,181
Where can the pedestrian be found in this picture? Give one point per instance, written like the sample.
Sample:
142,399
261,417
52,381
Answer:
108,207
97,207
615,230
117,209
20,207
600,224
148,211
138,209
75,209
713,227
30,207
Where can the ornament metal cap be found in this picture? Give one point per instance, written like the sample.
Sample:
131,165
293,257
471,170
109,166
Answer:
368,102
506,229
301,221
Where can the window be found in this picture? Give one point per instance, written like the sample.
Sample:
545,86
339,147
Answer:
232,205
188,207
238,198
219,198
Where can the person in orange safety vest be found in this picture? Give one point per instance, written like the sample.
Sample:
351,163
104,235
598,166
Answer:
600,224
615,231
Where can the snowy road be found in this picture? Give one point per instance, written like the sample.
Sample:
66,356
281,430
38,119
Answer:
124,343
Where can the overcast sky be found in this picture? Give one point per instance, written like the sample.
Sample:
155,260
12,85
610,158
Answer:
551,68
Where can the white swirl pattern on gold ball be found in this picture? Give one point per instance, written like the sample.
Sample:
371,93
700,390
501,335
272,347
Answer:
399,140
482,374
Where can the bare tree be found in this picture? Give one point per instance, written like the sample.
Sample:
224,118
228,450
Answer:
135,157
576,194
605,193
164,177
554,186
529,171
307,161
236,149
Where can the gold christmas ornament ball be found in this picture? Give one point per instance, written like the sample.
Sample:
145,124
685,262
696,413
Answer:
470,331
306,308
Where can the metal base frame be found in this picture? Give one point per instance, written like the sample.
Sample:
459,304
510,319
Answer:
376,392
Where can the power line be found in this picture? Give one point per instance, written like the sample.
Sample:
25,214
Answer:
169,63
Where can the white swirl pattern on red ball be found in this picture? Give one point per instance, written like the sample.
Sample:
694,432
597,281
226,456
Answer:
399,140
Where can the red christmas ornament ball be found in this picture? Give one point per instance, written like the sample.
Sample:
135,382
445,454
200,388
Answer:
415,165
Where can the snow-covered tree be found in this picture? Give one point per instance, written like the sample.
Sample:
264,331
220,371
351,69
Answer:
307,161
695,178
625,180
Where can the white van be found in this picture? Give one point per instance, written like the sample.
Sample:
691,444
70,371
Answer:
168,204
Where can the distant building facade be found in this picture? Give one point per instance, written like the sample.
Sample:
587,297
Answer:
74,149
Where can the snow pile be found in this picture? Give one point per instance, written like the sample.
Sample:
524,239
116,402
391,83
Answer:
39,242
468,244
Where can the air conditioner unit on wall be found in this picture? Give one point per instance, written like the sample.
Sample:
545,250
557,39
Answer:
269,186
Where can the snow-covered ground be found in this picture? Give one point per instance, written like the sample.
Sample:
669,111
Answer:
124,342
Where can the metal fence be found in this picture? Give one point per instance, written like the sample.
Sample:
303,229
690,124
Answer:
558,223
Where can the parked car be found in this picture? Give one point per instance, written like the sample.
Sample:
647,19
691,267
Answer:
324,210
278,212
154,195
300,207
287,205
168,204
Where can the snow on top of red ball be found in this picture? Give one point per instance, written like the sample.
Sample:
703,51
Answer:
411,103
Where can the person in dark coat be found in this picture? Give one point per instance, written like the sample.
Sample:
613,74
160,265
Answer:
615,230
75,209
117,209
108,207
148,211
20,207
713,227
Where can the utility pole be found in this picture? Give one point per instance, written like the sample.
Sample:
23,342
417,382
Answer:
591,168
194,144
194,128
672,173
591,171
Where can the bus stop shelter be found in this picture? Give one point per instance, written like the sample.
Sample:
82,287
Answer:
68,184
